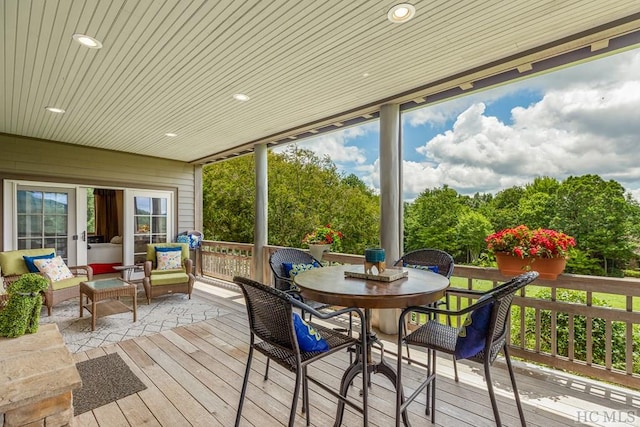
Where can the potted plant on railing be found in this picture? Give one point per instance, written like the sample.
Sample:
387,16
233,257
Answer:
323,239
522,249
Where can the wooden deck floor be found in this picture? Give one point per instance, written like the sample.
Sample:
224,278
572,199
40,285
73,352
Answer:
194,374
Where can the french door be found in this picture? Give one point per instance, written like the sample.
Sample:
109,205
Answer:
41,216
149,219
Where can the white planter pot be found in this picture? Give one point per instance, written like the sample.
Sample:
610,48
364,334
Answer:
317,251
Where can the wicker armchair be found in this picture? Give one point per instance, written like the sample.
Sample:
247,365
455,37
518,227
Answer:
429,258
270,314
435,337
280,279
161,282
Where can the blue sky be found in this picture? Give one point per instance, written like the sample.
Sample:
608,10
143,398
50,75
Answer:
578,120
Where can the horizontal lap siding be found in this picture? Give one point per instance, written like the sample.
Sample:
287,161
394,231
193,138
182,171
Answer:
33,159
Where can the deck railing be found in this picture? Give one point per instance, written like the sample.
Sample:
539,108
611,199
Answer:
223,260
585,337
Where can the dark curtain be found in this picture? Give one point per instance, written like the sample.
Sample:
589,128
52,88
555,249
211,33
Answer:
106,213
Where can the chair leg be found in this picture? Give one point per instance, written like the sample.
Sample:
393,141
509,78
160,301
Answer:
492,396
399,381
350,333
244,384
266,371
305,394
433,388
404,334
515,387
455,364
455,369
296,394
427,410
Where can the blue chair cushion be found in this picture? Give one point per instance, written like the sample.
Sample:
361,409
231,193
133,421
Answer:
433,268
292,269
308,338
472,335
168,248
28,260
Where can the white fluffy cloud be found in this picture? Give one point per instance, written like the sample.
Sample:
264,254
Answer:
584,127
337,145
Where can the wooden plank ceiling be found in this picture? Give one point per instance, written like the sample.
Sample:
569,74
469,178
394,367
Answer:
173,65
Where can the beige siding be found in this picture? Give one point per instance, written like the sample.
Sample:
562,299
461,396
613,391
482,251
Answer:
33,159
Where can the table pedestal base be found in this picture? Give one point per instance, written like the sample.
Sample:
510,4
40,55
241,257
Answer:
353,371
355,368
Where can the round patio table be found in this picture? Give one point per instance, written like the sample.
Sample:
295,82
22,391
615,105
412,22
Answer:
329,285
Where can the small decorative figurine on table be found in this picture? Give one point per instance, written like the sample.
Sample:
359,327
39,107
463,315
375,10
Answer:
374,257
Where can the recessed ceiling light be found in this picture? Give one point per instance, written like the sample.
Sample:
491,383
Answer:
171,135
240,97
54,110
87,41
402,12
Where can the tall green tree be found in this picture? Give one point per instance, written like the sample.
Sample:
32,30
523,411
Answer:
595,212
228,193
471,230
431,220
503,210
536,207
305,191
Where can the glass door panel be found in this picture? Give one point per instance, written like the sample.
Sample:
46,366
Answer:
43,217
150,219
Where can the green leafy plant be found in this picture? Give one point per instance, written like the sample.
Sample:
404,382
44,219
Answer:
523,242
22,311
324,235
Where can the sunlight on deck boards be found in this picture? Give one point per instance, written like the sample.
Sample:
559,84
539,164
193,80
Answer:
194,374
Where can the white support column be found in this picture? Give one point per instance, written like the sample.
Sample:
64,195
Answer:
198,220
261,226
390,182
391,226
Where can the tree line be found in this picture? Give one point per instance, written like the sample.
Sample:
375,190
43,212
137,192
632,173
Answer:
306,191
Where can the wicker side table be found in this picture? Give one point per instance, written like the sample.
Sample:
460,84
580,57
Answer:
105,298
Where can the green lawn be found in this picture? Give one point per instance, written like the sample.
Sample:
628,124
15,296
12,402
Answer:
615,301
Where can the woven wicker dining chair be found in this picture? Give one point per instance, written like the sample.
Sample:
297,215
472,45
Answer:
434,336
285,283
294,256
272,333
435,259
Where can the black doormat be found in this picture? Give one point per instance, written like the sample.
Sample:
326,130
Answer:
104,379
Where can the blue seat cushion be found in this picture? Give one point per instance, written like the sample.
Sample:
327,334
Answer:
308,338
473,334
